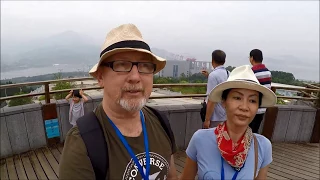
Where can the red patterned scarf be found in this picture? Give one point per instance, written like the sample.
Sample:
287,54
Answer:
234,154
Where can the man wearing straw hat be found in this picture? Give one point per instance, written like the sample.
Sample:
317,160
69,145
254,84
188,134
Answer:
137,141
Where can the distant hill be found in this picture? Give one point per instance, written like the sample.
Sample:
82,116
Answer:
44,77
64,48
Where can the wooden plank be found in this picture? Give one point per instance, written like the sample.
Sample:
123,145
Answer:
303,173
268,128
315,136
271,175
304,146
281,125
276,170
288,150
293,126
52,161
311,86
307,94
35,128
27,166
17,132
300,149
4,171
60,147
293,164
287,170
11,169
5,149
54,150
36,166
313,154
19,167
296,154
45,165
292,160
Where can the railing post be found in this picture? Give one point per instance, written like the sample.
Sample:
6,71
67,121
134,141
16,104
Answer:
315,136
270,118
47,94
51,123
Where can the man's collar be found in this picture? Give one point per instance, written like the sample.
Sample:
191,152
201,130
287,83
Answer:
259,66
219,67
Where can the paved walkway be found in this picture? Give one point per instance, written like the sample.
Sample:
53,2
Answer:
290,161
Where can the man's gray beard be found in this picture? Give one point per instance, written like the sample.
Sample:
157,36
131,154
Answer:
132,105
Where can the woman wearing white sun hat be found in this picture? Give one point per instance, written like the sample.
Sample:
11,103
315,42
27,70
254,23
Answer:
231,150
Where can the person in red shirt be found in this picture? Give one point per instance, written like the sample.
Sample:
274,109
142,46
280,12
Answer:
264,77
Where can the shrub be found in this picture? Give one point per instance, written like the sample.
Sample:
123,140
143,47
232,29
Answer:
20,101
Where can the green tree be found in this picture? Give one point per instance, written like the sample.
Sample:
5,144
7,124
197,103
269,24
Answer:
197,77
183,77
20,101
61,86
280,101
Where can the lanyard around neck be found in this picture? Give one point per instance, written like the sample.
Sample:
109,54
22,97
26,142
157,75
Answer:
222,171
145,175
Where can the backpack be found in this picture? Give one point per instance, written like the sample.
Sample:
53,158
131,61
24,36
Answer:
93,137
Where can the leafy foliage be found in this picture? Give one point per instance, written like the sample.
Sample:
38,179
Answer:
60,86
194,78
280,101
20,101
15,90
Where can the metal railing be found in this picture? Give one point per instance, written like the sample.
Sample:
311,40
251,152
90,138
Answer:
304,90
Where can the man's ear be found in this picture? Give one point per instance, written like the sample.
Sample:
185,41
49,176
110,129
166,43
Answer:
99,77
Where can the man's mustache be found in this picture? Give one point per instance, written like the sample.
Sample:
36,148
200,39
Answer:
132,88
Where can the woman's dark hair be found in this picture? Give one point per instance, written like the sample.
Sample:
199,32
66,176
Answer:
227,91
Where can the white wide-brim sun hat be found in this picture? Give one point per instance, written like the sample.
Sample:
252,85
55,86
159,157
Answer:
243,77
126,37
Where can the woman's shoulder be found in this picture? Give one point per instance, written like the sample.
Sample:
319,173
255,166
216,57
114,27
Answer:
264,143
204,134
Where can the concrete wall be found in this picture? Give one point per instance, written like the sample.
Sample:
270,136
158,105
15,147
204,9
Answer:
294,124
22,127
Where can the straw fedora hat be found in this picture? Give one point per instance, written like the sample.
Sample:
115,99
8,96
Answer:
126,37
243,77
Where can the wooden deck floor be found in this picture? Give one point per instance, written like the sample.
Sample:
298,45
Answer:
290,161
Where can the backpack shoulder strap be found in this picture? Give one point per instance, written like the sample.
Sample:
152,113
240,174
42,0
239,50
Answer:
165,124
227,73
93,137
256,144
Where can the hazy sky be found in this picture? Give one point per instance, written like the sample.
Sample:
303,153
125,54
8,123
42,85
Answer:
287,32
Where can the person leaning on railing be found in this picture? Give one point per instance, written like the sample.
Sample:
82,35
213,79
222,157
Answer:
232,150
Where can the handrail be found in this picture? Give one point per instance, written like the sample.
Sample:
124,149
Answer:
48,92
44,82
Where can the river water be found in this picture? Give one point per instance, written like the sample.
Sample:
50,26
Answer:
44,70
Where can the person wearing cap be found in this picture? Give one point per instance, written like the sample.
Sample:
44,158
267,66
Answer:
138,146
231,150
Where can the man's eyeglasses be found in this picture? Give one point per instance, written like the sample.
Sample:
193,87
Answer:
126,66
